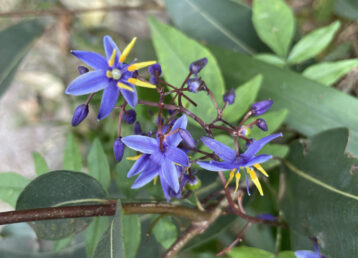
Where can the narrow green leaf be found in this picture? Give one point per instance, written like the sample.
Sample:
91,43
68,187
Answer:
62,243
131,235
11,185
328,73
252,252
94,232
313,43
111,244
165,231
41,166
245,96
176,52
98,166
275,24
72,159
271,59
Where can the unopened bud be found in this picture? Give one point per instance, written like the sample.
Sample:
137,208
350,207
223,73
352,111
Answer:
196,66
153,80
130,116
267,216
261,123
82,69
195,85
80,114
118,149
229,96
155,68
137,129
249,142
193,184
261,107
187,138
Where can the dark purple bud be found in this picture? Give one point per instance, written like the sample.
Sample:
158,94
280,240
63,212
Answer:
171,112
229,96
249,142
137,128
155,68
80,114
196,66
118,149
187,138
156,120
261,107
82,69
130,116
153,80
267,216
196,84
260,123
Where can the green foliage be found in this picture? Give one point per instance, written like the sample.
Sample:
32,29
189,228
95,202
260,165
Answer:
271,59
72,158
94,232
124,183
41,166
131,235
275,24
165,231
347,9
251,252
11,185
327,207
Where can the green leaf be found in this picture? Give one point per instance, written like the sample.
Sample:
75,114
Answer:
347,9
131,235
327,207
176,52
165,231
312,107
11,185
212,21
313,43
328,73
60,188
275,24
98,166
245,96
124,183
62,243
72,159
94,232
271,59
252,252
13,50
111,243
41,166
276,150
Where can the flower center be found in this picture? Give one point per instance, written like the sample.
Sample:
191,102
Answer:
116,74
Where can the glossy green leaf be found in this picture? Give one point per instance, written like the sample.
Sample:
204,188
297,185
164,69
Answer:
41,166
94,232
245,96
271,59
59,188
11,185
165,231
72,159
98,166
328,73
252,252
313,43
312,107
112,244
347,9
13,50
275,24
176,52
213,21
327,207
131,235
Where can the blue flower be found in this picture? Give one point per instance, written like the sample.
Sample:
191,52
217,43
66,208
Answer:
167,162
308,253
111,74
232,162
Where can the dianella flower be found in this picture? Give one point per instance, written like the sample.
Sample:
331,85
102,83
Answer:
111,74
231,161
165,160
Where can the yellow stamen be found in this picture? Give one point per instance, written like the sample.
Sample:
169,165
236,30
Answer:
141,83
261,169
140,65
127,50
255,180
134,157
155,180
113,56
177,164
109,74
231,176
123,86
237,179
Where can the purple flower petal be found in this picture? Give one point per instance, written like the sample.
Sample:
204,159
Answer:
175,139
306,254
109,100
166,188
258,145
257,160
130,96
109,45
146,177
96,61
139,165
170,174
215,165
141,143
177,155
88,83
223,151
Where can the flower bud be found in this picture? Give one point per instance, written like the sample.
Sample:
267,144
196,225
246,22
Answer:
195,85
153,80
187,138
137,129
193,184
261,107
130,116
196,66
261,123
80,114
82,69
267,216
229,96
171,112
249,142
155,68
118,149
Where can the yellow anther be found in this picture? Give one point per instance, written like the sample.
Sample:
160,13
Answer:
134,157
140,65
231,176
113,56
177,164
237,179
127,50
141,83
155,180
123,86
261,169
255,180
109,74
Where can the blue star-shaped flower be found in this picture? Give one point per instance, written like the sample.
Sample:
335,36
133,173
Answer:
159,161
248,160
111,74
